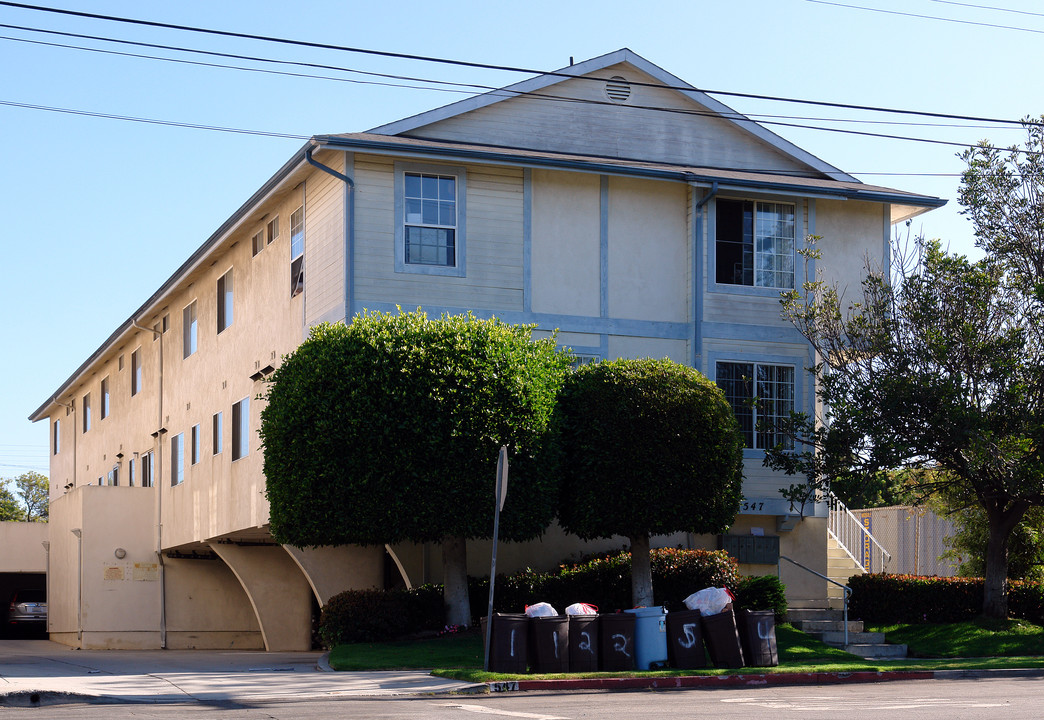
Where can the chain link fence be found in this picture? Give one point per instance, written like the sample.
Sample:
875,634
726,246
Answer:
913,536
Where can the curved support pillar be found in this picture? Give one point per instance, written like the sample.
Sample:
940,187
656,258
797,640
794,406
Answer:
330,570
278,592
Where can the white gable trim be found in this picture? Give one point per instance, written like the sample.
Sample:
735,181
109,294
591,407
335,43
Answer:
586,67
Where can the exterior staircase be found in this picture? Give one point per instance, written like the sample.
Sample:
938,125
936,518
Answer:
840,567
828,626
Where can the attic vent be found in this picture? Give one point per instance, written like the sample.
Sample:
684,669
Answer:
617,88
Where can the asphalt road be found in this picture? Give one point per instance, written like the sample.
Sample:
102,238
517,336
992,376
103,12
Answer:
1011,699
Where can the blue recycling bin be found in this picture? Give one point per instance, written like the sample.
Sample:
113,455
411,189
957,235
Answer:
650,637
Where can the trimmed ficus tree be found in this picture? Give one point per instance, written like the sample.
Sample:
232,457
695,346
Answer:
649,447
388,429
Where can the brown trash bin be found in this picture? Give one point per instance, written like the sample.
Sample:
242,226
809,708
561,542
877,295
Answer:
508,642
722,638
583,643
616,641
549,644
685,640
757,629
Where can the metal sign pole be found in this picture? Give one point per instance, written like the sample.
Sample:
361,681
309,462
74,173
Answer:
501,494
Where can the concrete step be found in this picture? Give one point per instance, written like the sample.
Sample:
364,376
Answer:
816,627
837,638
818,613
876,650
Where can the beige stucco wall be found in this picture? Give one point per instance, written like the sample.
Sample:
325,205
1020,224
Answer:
852,235
22,547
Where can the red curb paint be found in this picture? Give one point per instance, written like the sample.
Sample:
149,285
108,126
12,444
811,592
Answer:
717,681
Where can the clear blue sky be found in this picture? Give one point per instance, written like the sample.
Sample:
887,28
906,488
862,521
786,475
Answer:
99,212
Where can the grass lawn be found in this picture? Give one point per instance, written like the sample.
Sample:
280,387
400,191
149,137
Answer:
459,656
975,638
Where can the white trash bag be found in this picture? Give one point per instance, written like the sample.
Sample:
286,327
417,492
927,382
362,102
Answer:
582,609
541,609
709,601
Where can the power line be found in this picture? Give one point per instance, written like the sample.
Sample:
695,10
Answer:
490,66
989,7
926,17
471,86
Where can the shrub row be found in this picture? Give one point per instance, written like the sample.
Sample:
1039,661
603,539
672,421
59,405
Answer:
886,599
604,581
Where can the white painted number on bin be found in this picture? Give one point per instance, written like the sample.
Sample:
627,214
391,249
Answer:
690,636
554,636
585,644
620,645
512,642
764,629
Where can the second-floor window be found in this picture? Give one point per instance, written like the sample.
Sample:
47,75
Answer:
147,469
241,429
86,412
759,394
430,229
754,243
177,459
104,398
190,327
215,434
56,437
297,238
224,301
195,444
136,372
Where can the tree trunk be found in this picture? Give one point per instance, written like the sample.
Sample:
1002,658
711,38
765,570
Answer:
641,572
995,585
455,581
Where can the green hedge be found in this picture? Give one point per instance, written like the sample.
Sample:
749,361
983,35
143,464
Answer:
887,599
604,581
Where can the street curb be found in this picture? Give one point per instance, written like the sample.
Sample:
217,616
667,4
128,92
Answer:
711,681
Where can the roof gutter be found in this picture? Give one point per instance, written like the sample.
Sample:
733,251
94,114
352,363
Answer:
610,168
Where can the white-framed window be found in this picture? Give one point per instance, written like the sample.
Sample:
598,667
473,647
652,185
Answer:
194,453
147,469
135,372
132,475
189,330
758,392
224,301
257,243
104,398
177,459
56,437
430,227
86,412
754,243
297,244
215,433
112,478
241,429
272,230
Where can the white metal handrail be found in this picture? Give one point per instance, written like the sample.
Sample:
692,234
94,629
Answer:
852,536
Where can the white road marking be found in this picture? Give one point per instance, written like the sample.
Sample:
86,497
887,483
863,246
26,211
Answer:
821,702
494,711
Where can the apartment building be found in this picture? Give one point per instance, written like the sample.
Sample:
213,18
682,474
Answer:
609,201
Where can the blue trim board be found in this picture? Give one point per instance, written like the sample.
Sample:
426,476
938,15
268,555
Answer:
527,240
778,333
349,236
550,321
603,246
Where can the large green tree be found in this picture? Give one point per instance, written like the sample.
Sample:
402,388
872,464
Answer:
649,447
30,502
9,507
938,365
388,429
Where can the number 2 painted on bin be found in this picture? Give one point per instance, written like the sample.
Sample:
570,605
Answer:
690,636
621,645
585,644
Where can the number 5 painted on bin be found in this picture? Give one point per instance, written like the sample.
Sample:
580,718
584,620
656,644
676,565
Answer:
690,636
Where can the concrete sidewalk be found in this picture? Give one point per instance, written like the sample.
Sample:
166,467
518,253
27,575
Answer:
53,671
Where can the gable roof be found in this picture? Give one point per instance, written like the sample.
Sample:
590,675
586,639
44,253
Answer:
584,70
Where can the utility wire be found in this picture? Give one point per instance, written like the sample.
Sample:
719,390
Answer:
457,87
989,7
489,66
926,17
